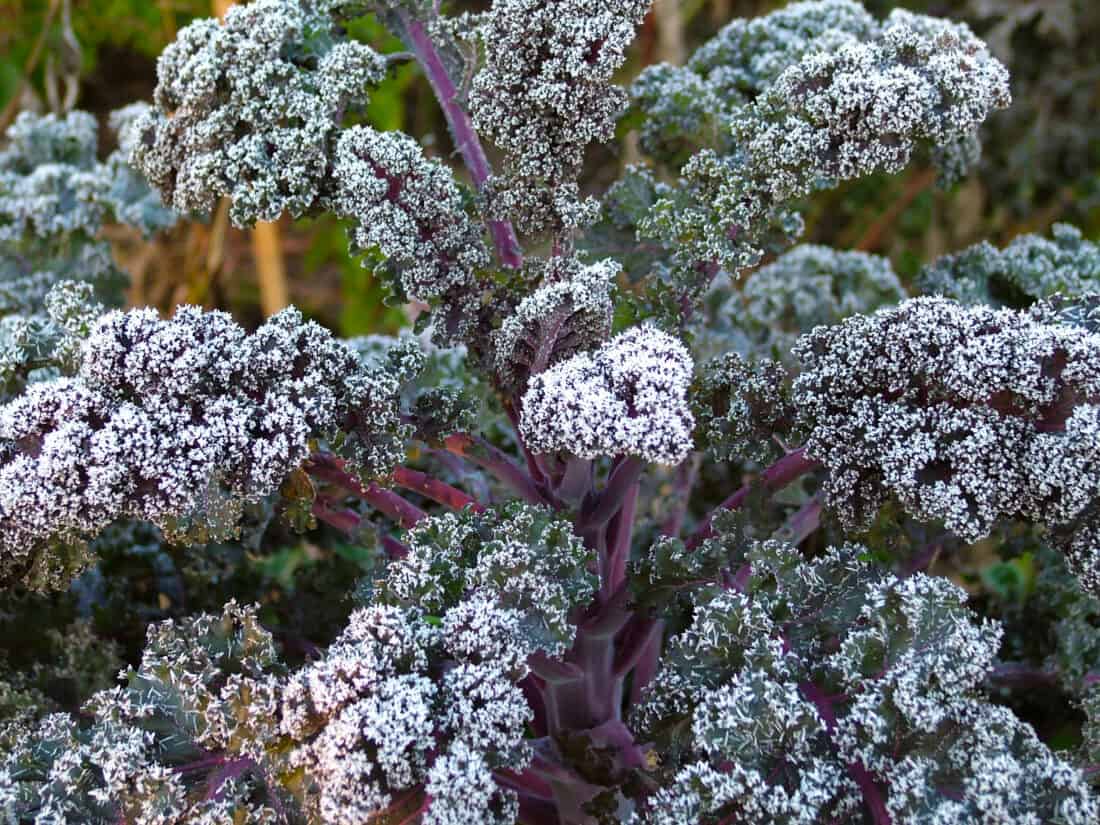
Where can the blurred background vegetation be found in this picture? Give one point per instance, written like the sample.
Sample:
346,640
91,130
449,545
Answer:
1042,157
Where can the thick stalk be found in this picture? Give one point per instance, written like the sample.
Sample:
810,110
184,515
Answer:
620,533
686,474
637,638
593,694
576,480
485,455
803,523
329,468
342,519
434,489
790,467
599,511
535,464
873,796
395,549
1020,676
462,131
645,668
924,559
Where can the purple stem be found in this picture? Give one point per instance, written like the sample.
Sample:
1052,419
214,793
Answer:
576,480
636,639
791,466
415,814
533,689
214,761
804,522
686,475
434,489
645,668
740,579
589,692
343,519
394,549
923,560
553,671
485,455
329,468
535,465
1016,675
228,771
623,478
534,811
462,130
403,512
526,782
620,535
872,793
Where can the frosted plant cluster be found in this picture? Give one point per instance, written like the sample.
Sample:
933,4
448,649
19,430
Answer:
544,94
629,397
190,684
569,313
532,563
74,657
51,181
815,684
133,201
742,407
804,288
41,345
859,106
368,729
541,628
693,104
500,588
178,422
251,109
969,415
863,107
410,209
1030,266
55,195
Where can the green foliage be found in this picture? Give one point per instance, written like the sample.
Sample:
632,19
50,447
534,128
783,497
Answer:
471,597
809,678
1026,270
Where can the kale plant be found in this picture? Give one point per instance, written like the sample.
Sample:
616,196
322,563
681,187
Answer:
646,508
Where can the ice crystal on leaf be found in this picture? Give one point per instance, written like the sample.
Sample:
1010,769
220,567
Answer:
740,407
180,422
807,287
410,208
571,312
523,557
136,760
358,733
544,94
1031,267
251,108
968,415
629,397
862,100
827,684
55,195
690,107
481,592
